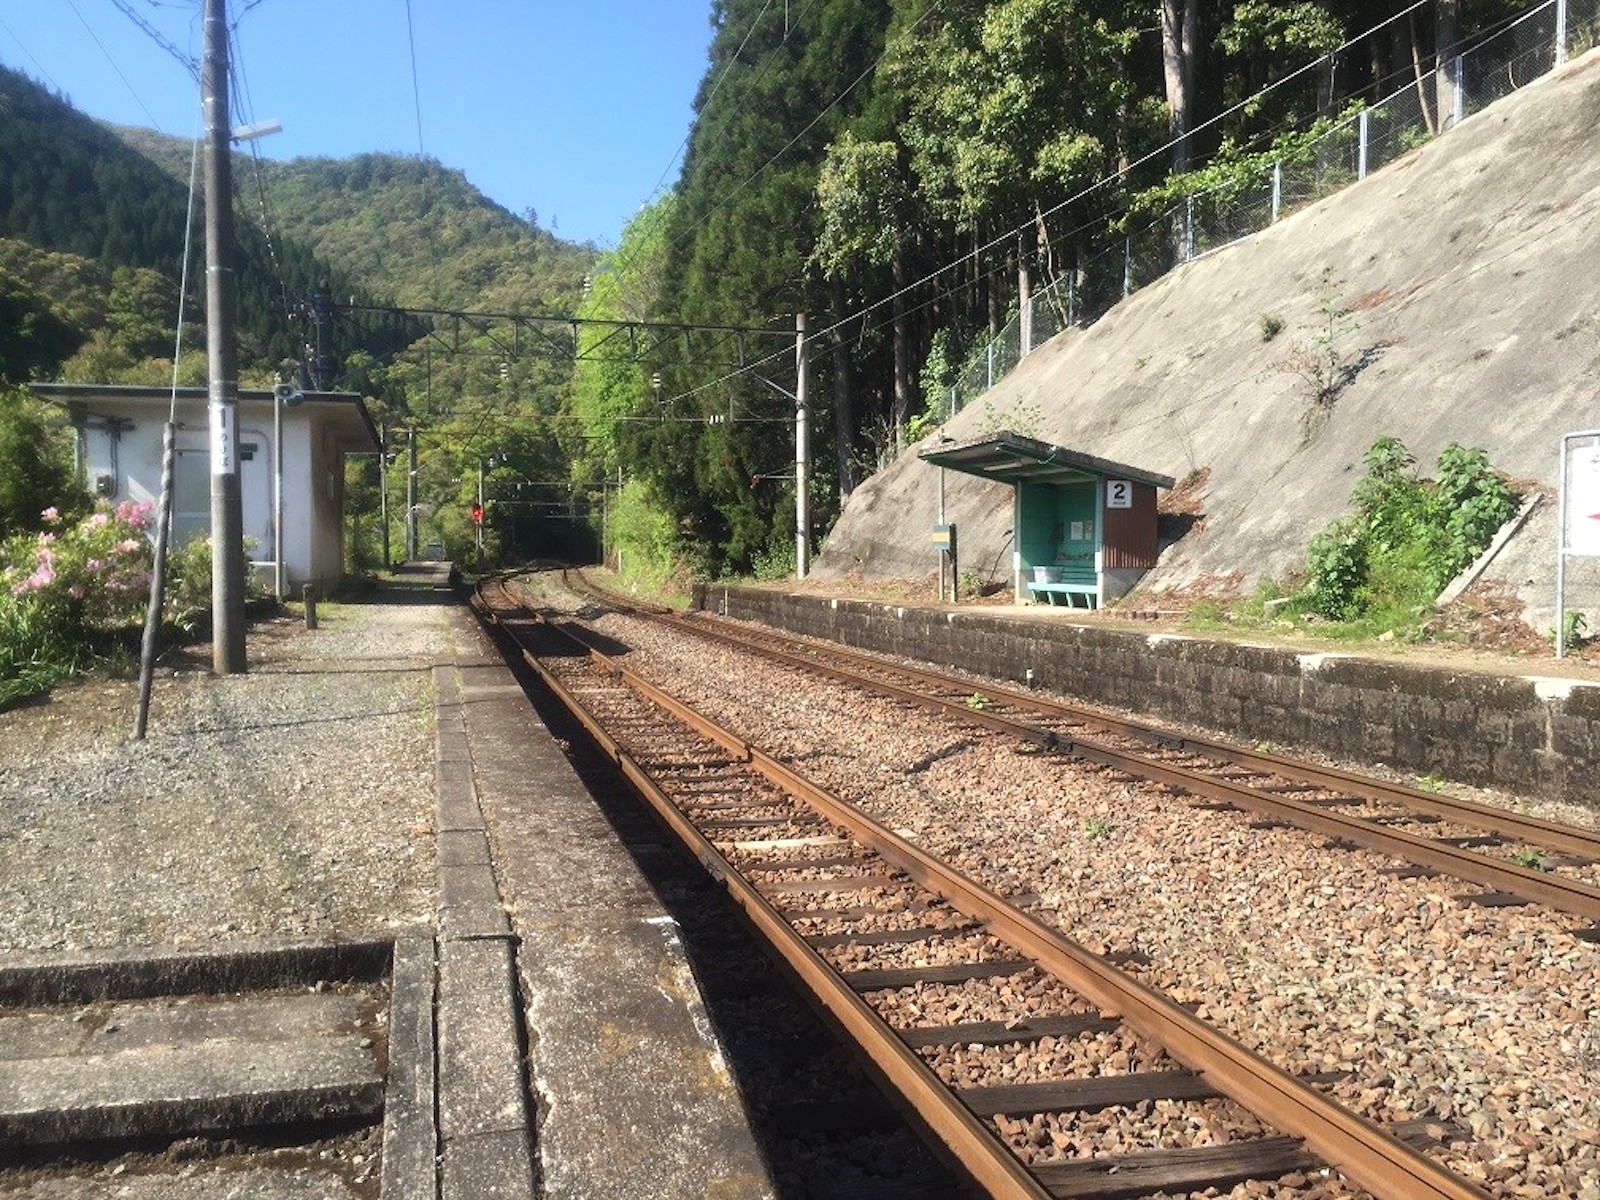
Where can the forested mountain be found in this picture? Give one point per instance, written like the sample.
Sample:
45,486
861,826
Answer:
893,169
69,185
91,238
889,167
410,230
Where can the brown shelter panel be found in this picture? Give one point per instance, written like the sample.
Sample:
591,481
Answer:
1130,533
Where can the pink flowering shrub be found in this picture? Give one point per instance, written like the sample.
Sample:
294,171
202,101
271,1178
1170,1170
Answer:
65,587
95,573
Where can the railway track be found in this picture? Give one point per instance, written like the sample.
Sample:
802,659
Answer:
880,934
1514,857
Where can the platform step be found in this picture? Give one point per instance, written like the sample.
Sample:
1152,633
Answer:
190,1065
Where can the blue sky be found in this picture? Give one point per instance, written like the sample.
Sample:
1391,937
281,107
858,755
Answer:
574,108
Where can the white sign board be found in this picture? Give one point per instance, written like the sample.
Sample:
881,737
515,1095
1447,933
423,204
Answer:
224,455
1583,500
1119,493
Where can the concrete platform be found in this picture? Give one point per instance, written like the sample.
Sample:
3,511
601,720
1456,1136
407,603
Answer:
634,1097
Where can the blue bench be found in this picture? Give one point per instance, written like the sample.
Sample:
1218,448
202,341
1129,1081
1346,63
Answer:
1069,593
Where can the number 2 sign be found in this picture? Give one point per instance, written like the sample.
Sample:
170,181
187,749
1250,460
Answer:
1119,493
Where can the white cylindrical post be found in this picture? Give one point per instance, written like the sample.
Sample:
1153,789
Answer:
279,577
1561,32
1188,230
1460,105
1127,266
1024,299
1561,551
1277,190
1361,145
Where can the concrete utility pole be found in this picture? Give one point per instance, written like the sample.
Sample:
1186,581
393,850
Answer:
227,514
802,453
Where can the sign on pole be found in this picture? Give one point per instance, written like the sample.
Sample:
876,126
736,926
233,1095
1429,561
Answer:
1583,500
1578,470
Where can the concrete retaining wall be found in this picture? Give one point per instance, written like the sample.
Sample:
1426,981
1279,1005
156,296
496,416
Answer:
1536,736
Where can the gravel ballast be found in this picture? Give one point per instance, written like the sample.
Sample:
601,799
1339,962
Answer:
1486,1018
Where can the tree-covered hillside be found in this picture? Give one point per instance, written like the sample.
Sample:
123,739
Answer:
410,230
69,185
892,167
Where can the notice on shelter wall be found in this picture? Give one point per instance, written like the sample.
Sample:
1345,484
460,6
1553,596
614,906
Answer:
1075,532
1583,501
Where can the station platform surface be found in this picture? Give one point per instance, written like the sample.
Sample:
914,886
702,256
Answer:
632,1093
546,1034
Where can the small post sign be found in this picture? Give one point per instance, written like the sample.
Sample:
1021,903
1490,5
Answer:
1579,535
1119,493
943,538
1583,500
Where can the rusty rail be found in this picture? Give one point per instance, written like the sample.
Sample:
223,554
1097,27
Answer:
1366,1153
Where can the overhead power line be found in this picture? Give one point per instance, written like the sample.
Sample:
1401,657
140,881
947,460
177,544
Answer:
187,61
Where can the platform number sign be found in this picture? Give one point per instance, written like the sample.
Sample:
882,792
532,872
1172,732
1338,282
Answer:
1119,493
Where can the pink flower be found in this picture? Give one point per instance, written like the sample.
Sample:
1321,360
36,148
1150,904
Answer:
46,538
98,521
50,515
75,591
128,545
94,566
135,514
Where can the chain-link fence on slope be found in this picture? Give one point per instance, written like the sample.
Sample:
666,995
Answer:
1523,50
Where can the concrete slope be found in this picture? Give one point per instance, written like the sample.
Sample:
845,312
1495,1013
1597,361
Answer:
1472,267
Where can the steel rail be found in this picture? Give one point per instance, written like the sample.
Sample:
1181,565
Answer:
1366,1153
1566,895
902,1071
1551,835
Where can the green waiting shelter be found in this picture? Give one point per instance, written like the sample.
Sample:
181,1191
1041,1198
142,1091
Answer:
1083,528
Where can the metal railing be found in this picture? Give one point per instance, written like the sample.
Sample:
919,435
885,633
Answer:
1528,47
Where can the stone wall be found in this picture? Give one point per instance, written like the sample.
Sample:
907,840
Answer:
1525,734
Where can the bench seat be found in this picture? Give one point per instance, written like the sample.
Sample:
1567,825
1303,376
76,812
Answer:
1068,593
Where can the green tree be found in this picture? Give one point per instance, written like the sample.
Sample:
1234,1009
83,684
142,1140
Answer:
35,464
34,339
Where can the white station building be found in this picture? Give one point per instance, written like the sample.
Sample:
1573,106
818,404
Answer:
119,445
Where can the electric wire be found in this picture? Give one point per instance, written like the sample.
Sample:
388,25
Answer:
730,376
761,71
240,86
831,105
416,90
31,58
188,62
732,62
132,91
183,276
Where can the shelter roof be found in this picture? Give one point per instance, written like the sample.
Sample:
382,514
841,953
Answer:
345,413
1011,458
